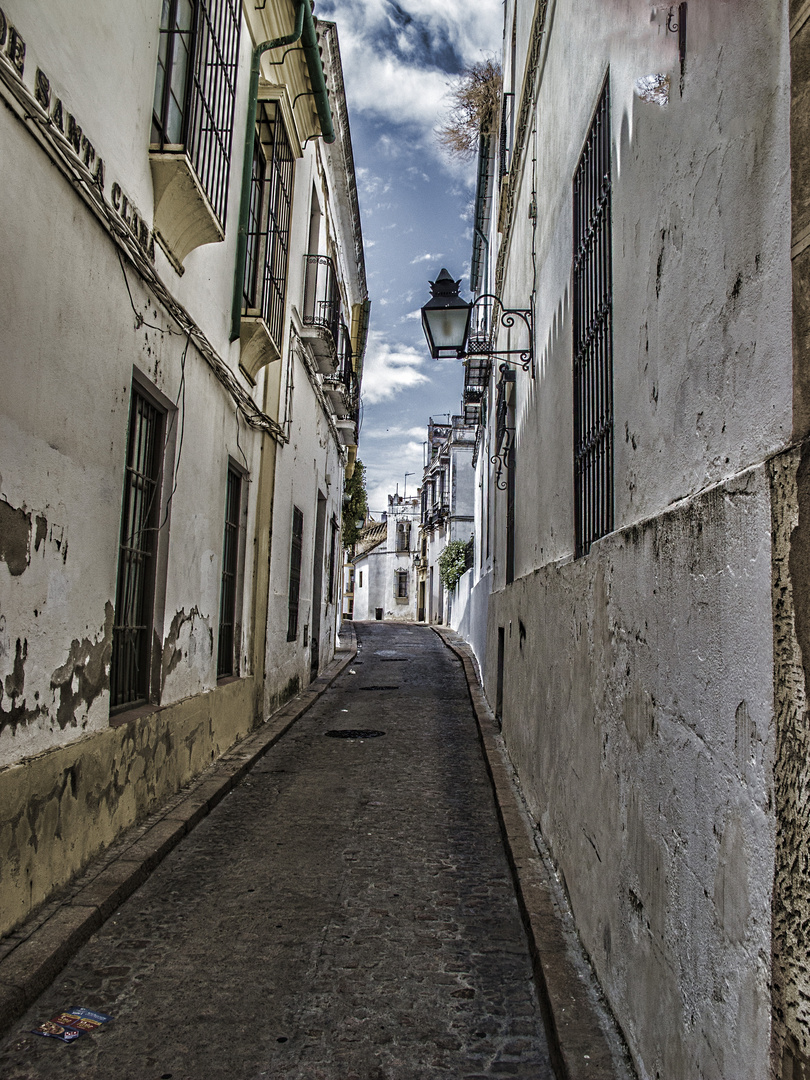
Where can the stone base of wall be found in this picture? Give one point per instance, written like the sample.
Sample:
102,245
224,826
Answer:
59,810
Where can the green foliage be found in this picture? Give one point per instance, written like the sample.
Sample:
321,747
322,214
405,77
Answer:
356,506
453,563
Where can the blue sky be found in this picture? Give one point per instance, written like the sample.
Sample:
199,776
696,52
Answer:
399,59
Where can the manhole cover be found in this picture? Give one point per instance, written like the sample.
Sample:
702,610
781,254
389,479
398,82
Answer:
353,733
378,688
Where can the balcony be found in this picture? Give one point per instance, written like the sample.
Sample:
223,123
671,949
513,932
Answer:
437,513
340,385
347,429
321,315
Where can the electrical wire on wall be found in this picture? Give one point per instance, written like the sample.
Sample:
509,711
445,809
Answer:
241,451
60,151
181,400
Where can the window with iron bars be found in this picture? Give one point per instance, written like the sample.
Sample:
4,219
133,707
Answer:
296,549
195,89
227,663
130,668
268,233
401,584
593,335
333,536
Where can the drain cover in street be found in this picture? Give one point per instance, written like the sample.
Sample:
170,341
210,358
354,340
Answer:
394,660
378,688
353,733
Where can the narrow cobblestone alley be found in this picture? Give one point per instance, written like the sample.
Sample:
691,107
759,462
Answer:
346,912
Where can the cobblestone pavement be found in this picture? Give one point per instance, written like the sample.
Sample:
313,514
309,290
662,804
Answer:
346,913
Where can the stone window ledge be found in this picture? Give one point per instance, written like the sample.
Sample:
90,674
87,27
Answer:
258,347
183,219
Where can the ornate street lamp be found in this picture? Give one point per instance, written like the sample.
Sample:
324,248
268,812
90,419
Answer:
446,319
446,322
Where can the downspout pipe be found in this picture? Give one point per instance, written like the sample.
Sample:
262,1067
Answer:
304,30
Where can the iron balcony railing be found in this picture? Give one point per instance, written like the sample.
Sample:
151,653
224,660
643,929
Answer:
322,295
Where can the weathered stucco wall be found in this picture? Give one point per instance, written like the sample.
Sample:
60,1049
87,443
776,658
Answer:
59,809
638,709
791,531
790,480
702,367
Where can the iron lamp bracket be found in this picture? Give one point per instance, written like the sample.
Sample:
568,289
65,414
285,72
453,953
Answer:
506,318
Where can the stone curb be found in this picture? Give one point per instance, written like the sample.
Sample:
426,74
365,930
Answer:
577,1042
32,965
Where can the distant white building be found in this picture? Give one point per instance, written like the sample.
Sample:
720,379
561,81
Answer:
382,574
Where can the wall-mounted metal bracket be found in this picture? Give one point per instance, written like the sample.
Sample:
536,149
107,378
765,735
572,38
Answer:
481,344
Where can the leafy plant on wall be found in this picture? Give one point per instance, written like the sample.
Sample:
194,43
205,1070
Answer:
453,562
355,506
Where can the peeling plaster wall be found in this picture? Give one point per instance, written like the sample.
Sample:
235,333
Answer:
77,327
638,709
302,468
62,519
790,479
61,808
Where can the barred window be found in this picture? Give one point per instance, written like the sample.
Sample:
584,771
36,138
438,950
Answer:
226,653
593,336
132,626
269,209
332,567
401,584
195,89
296,549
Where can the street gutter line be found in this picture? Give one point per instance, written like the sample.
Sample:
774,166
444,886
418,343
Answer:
579,1045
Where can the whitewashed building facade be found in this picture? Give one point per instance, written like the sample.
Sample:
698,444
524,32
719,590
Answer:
446,512
183,312
638,600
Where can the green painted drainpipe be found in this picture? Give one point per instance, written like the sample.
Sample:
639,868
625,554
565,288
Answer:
305,30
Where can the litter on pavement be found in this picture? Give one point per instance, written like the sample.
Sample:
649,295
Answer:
67,1026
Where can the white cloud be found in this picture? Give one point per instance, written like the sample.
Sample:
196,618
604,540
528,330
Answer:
385,471
427,257
399,59
389,369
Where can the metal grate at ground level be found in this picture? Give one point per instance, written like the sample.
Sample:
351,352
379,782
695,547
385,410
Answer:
353,733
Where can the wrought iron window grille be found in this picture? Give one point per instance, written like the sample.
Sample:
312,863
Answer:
505,141
268,225
226,655
296,551
401,584
322,306
132,625
195,89
593,335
